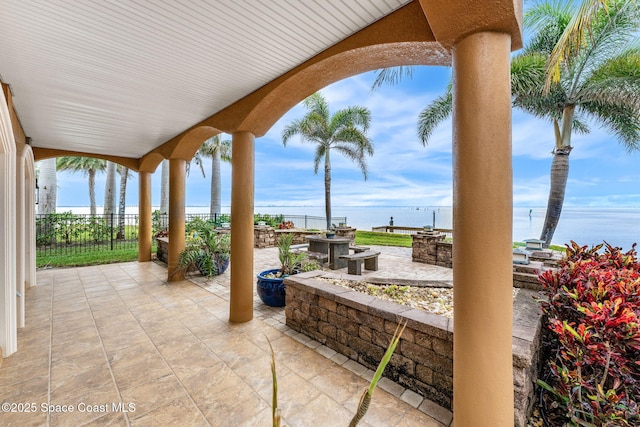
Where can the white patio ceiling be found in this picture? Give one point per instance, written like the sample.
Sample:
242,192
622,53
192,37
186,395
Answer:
121,77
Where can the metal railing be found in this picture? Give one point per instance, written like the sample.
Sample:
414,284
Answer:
68,233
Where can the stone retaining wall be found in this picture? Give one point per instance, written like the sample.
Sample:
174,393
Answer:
162,252
430,248
360,327
267,237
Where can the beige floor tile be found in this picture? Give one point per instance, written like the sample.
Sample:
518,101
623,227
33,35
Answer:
227,400
73,381
179,412
322,411
307,364
25,389
294,393
25,419
384,408
153,394
340,384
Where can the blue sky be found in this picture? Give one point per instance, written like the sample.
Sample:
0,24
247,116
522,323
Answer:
403,172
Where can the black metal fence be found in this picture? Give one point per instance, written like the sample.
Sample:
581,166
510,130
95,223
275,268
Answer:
68,233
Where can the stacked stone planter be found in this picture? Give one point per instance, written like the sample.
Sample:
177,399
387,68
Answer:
162,253
429,247
267,237
360,327
264,236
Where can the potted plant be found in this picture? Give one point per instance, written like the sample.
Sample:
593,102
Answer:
207,250
270,285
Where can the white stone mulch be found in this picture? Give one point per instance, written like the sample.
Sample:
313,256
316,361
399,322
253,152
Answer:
434,300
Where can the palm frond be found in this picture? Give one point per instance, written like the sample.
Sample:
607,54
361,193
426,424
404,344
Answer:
615,81
610,34
215,144
391,76
85,165
527,74
623,122
318,156
595,19
356,116
291,130
317,104
434,114
197,158
547,21
355,154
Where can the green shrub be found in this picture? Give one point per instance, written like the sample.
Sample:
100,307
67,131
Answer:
593,309
98,229
270,220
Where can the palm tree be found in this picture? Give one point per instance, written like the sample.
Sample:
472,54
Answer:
344,131
87,166
164,187
124,175
601,82
216,149
110,189
48,186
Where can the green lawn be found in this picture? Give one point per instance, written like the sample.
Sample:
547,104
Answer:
89,258
365,238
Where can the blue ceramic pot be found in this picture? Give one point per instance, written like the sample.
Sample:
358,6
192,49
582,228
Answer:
218,266
271,290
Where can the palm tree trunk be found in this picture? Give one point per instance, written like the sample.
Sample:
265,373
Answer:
214,206
327,188
164,188
47,182
110,189
124,172
558,185
92,192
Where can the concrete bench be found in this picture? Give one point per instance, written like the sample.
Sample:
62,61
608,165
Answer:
354,261
300,246
358,249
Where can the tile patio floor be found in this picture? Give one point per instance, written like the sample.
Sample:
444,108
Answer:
98,337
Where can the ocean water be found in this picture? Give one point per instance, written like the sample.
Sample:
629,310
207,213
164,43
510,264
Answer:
584,225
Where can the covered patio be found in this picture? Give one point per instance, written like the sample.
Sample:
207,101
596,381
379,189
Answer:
98,337
137,83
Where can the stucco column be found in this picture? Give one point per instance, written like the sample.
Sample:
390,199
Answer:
242,277
30,219
145,238
176,216
482,232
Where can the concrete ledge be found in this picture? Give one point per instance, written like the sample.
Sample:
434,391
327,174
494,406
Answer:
360,327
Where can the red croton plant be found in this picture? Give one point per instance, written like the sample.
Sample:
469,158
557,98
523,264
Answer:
593,310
